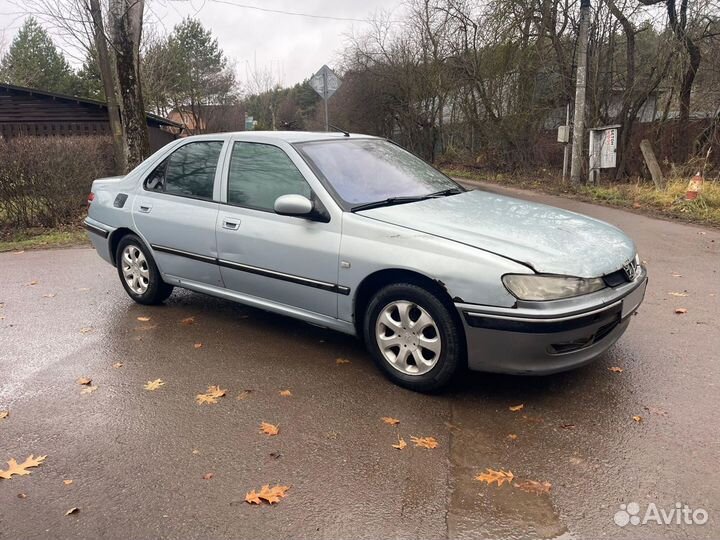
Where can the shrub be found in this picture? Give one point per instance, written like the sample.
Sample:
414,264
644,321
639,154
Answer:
44,181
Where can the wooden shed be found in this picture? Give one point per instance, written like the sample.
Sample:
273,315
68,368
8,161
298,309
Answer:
30,112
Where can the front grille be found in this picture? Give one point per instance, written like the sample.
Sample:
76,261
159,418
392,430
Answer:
616,278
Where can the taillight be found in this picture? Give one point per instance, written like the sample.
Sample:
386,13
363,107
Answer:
91,197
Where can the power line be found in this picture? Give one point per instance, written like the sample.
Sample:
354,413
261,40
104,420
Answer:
284,12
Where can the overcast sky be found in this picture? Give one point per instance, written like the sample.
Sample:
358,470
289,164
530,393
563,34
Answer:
295,46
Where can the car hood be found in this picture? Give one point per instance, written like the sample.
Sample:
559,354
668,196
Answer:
545,238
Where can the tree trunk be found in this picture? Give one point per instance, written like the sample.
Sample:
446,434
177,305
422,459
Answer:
126,30
108,82
686,86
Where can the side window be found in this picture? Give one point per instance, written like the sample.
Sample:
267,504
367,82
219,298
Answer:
260,173
189,171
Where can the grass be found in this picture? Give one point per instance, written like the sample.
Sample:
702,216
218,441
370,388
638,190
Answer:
42,239
640,196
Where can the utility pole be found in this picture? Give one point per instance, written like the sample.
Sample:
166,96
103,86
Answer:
580,84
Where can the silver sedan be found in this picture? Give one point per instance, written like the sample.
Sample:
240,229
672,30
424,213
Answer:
354,233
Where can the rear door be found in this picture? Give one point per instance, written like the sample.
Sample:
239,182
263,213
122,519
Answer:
175,210
291,260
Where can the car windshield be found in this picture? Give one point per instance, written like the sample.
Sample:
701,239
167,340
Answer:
364,171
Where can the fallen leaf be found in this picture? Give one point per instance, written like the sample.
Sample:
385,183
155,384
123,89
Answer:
143,319
243,395
211,396
269,429
400,444
531,486
516,408
20,469
88,390
285,393
681,294
491,476
512,437
19,252
207,476
390,420
198,345
33,282
638,418
196,452
22,496
67,482
187,321
269,494
4,414
49,295
118,365
616,369
84,380
680,311
675,274
73,510
154,385
424,442
341,361
86,330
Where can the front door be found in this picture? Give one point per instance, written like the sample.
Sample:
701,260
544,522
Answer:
175,212
291,260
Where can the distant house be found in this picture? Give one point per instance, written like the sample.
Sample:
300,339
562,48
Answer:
209,118
30,112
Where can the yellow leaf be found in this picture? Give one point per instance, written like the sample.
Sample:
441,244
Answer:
491,476
285,393
143,319
118,365
638,418
205,399
516,408
252,497
680,294
211,396
269,429
616,369
512,437
49,295
390,420
154,385
73,510
676,274
33,282
425,442
271,495
187,321
86,330
215,391
400,444
4,414
20,469
341,361
88,389
198,345
531,486
67,482
196,452
680,311
84,380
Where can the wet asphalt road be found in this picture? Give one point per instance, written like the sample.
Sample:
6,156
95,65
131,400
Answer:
137,458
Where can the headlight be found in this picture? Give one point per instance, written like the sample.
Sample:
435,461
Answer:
538,287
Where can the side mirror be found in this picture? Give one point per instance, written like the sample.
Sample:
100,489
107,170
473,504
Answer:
293,205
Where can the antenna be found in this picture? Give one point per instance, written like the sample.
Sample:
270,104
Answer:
346,133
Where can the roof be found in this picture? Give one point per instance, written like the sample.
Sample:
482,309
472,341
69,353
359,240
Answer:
84,101
288,136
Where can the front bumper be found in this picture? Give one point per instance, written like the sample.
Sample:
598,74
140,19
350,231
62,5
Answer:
543,341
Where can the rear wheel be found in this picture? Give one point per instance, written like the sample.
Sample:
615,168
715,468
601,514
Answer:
139,273
413,337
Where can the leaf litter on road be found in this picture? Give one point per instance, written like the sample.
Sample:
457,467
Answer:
516,408
84,380
532,486
269,429
401,444
211,396
270,495
88,389
390,420
491,476
425,442
154,385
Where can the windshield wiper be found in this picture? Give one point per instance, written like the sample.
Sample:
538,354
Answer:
402,200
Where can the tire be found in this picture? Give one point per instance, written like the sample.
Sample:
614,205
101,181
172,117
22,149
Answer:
148,288
384,321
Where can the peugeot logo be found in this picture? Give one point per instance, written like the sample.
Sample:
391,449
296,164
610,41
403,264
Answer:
630,269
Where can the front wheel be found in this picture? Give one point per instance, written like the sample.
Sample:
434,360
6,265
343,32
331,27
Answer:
138,272
413,337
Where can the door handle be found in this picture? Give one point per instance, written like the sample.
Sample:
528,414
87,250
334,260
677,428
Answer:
231,225
145,208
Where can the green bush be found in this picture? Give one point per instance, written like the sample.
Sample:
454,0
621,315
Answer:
44,181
